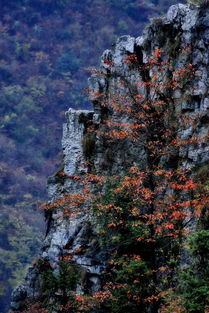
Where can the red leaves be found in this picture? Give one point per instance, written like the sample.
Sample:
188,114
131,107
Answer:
79,298
168,226
188,185
157,53
169,209
109,63
152,299
131,59
144,206
68,257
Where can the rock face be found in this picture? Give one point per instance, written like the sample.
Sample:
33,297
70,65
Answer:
184,36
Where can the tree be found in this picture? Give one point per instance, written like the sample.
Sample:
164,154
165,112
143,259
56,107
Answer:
142,214
35,94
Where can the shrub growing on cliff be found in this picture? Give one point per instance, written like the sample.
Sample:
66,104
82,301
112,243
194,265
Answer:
33,35
195,1
202,3
143,213
194,279
61,283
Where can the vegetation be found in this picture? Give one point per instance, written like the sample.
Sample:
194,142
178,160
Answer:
145,215
47,48
197,2
194,279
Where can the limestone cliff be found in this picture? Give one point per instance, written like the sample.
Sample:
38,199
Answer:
183,35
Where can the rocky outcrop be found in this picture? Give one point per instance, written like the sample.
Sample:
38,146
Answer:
183,35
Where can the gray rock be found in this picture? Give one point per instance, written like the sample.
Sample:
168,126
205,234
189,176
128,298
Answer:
203,20
186,133
177,14
106,59
140,41
123,45
72,141
97,84
190,20
18,297
116,78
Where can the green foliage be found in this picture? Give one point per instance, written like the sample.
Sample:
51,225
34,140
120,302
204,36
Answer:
121,204
197,2
196,292
49,285
135,278
202,3
131,268
194,279
44,44
60,282
18,244
138,254
22,51
67,62
199,244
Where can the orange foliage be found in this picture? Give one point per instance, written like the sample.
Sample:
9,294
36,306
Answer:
161,199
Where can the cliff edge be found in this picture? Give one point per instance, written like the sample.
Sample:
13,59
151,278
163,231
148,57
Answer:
182,38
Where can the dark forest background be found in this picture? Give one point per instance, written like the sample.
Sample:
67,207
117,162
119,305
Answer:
47,50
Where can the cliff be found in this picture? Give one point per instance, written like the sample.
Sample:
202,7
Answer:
181,38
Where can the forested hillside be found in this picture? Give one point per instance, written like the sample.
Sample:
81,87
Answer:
47,50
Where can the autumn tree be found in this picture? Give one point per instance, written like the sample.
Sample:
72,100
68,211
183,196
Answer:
144,214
